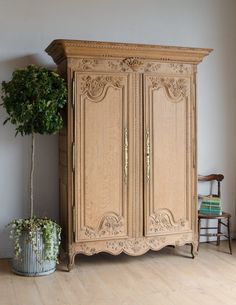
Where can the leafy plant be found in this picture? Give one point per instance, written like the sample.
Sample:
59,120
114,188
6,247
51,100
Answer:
51,234
33,99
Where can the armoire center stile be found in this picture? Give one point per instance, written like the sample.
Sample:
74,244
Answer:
128,147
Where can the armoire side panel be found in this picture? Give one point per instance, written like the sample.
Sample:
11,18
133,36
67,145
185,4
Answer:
63,178
102,156
167,149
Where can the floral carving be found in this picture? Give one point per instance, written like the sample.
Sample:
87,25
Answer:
152,67
182,240
87,249
117,65
136,246
179,68
94,85
162,221
132,246
176,88
87,64
110,225
133,62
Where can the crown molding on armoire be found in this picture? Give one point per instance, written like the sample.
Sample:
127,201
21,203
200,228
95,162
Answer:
61,49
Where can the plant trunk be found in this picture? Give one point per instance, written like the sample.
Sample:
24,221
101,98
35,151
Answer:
32,177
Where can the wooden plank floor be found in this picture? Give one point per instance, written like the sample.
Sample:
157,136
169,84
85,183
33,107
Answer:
167,277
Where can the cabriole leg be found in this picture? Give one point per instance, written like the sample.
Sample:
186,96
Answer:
71,261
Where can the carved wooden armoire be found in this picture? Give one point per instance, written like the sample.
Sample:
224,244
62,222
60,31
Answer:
128,147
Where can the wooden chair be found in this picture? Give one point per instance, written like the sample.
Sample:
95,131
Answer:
223,219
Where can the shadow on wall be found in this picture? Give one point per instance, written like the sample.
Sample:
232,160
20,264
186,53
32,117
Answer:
15,165
8,65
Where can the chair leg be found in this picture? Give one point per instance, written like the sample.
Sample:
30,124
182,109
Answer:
229,235
192,251
218,232
199,229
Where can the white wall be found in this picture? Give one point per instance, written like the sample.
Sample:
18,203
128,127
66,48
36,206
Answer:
28,26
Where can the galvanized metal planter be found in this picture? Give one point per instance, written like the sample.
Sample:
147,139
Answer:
31,262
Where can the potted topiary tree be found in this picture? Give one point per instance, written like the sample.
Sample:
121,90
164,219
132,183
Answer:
33,99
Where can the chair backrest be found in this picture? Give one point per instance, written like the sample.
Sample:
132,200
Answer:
211,178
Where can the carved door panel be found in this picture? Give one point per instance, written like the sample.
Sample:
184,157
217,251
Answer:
103,155
167,153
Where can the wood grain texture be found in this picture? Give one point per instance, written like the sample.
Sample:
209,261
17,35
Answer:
102,155
164,277
217,177
131,114
168,170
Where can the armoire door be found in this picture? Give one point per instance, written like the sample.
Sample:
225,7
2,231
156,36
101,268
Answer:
167,154
103,155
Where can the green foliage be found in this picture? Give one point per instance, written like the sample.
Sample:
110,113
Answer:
33,99
31,227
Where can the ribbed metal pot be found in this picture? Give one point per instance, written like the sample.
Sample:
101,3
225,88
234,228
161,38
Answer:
30,263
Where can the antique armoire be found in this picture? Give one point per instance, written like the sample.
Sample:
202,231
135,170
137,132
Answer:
128,147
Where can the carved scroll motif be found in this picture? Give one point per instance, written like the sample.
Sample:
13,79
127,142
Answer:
95,86
136,246
133,64
110,225
133,246
175,88
130,64
163,220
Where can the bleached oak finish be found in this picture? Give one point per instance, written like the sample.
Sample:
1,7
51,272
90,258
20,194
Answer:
168,112
165,277
61,49
103,127
128,150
